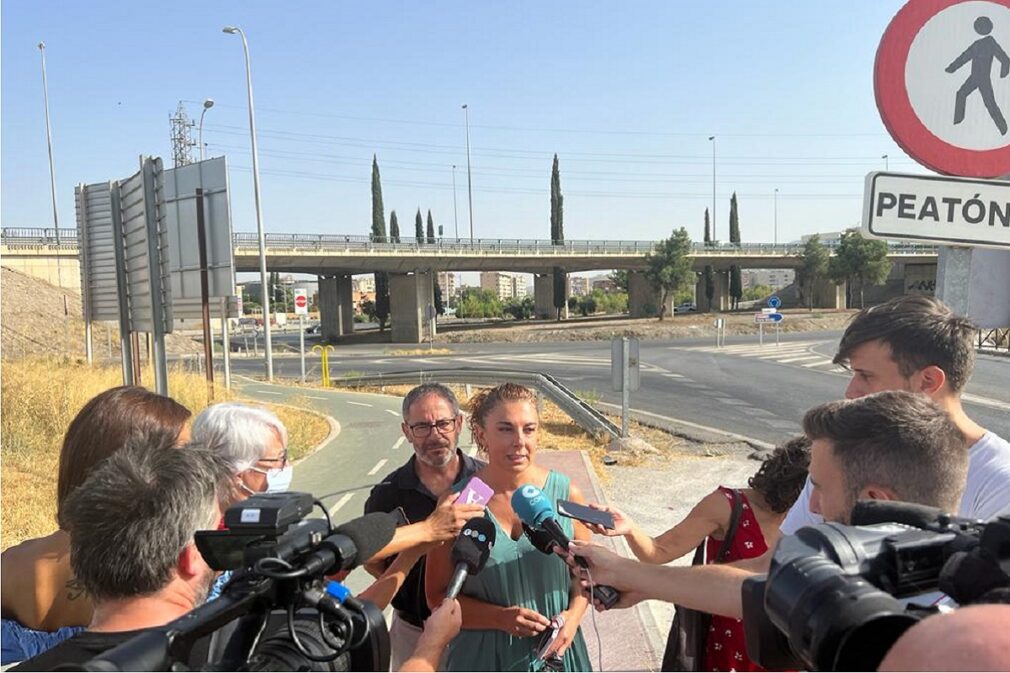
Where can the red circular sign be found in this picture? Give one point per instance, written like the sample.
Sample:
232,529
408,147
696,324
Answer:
301,301
895,104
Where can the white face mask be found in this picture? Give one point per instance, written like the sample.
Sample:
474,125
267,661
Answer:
278,479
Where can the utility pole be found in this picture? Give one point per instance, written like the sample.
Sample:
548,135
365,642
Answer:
469,182
182,140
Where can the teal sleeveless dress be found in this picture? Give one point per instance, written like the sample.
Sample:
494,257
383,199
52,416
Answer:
518,574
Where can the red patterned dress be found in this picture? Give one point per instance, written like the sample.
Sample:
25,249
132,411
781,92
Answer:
726,649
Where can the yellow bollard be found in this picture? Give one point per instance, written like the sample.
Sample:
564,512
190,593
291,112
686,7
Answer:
324,356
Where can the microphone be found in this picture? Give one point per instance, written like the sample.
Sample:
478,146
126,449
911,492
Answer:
536,513
470,552
540,539
869,512
352,543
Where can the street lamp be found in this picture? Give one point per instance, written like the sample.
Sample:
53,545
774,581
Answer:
469,183
455,218
267,342
775,207
49,139
712,138
207,104
884,157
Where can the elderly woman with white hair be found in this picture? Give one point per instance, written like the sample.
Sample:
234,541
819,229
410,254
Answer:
255,443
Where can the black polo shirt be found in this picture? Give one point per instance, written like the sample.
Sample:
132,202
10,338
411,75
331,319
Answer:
403,488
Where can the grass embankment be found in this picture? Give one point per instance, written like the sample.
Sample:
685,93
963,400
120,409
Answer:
41,396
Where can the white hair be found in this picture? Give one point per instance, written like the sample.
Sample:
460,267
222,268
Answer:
240,432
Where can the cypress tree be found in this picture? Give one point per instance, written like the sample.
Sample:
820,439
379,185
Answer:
558,236
735,279
419,228
709,274
379,235
431,228
394,228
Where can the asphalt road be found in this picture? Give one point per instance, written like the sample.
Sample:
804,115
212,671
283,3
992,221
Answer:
752,390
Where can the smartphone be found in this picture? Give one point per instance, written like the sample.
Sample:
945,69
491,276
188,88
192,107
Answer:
400,517
585,514
476,492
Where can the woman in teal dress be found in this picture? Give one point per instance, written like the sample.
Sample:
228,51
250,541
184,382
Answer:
509,604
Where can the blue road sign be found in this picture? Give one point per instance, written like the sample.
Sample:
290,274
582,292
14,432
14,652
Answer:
774,301
775,317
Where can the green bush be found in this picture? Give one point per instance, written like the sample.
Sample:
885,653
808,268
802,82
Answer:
478,303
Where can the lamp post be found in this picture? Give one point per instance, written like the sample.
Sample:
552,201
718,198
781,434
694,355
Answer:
775,216
455,218
884,157
49,140
469,182
207,104
267,342
712,138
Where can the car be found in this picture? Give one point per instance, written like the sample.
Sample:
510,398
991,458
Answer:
314,329
250,322
686,307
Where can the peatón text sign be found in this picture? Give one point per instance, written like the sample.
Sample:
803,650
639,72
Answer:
940,209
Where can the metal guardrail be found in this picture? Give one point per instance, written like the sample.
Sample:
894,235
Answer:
997,339
18,237
588,418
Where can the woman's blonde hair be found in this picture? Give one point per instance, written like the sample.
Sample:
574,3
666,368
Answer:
484,402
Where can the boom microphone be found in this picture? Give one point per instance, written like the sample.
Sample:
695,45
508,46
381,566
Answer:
470,552
352,543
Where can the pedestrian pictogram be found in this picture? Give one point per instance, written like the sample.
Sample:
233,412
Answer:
942,84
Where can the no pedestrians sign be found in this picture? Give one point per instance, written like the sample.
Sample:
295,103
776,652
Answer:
942,84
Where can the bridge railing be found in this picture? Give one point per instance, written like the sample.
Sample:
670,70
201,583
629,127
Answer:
26,237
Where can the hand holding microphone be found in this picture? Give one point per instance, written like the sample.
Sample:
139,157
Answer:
533,508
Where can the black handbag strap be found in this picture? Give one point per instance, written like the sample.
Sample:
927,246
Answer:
734,523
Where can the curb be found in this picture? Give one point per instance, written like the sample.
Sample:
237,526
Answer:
646,615
332,422
676,426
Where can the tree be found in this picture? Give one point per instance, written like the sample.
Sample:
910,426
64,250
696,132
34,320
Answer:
431,229
394,228
735,280
620,279
439,306
859,261
558,236
813,267
669,267
520,309
477,303
379,235
709,272
419,228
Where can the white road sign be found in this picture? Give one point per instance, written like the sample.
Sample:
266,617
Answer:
947,210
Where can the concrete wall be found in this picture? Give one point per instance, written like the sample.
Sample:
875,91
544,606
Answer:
63,271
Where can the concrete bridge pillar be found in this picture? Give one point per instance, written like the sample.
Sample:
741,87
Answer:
720,297
336,306
543,296
829,295
409,297
644,298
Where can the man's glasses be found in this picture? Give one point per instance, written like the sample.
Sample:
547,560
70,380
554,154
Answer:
422,430
281,459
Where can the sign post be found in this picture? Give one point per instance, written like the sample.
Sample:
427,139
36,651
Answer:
625,376
301,310
431,313
720,332
773,303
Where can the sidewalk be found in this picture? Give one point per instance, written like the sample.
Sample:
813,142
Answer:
630,639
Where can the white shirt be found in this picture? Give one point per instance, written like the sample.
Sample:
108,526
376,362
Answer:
986,493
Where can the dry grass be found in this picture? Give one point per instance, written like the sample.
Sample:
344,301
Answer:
40,397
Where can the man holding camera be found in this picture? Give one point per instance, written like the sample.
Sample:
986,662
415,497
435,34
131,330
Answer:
887,446
422,487
131,527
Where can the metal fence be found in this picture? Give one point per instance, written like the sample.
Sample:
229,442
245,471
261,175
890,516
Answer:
355,244
997,339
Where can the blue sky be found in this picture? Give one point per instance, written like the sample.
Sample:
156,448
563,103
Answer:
626,94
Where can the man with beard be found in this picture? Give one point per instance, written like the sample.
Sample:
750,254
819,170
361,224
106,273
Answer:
131,527
422,487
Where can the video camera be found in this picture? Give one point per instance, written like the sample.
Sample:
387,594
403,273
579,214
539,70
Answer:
277,612
830,598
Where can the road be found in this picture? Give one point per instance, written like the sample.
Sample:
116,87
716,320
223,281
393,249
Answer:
756,391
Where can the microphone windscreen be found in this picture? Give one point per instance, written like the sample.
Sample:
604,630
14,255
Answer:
531,505
473,544
540,539
869,512
369,533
